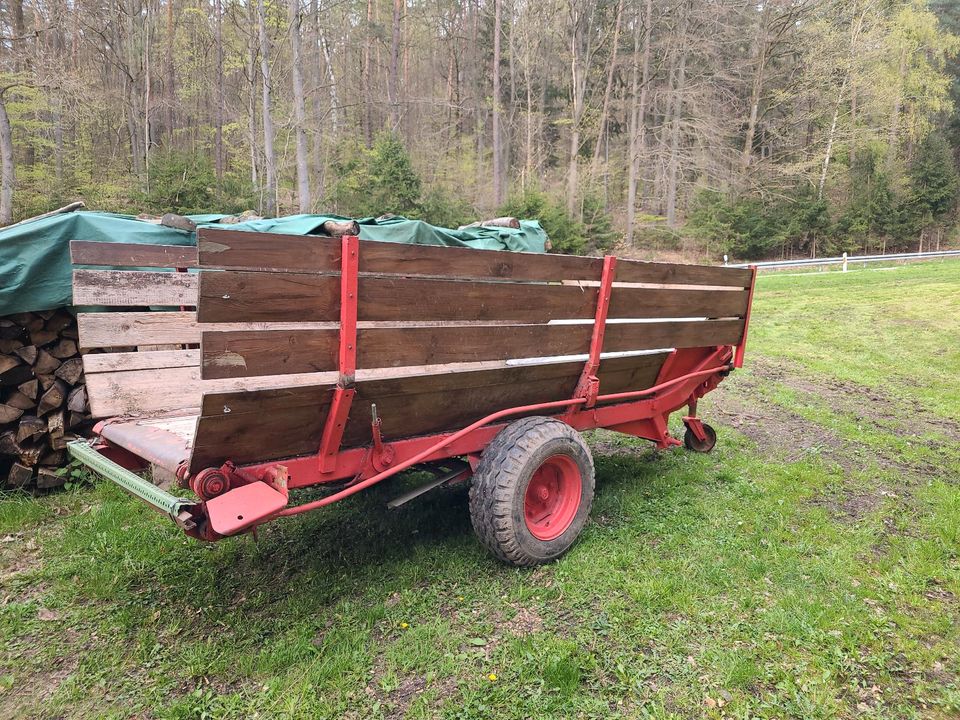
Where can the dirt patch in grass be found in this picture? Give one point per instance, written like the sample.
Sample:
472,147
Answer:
902,417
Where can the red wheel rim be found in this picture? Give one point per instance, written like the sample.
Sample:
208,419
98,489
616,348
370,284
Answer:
552,498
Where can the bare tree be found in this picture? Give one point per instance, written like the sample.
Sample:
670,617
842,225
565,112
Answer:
269,158
299,108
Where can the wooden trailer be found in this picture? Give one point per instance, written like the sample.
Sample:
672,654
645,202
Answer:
311,361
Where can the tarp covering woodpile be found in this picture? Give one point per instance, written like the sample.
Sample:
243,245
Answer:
35,270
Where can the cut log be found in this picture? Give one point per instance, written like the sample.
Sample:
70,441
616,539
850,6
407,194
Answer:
46,314
45,364
506,222
71,332
27,353
60,321
19,400
31,455
64,349
8,362
55,427
46,381
70,371
8,414
53,458
49,478
76,418
52,398
9,329
43,337
30,426
58,443
339,228
77,399
19,475
8,346
8,443
30,388
15,375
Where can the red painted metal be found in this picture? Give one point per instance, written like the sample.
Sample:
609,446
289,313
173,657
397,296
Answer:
589,385
346,356
349,286
741,348
243,507
552,497
626,417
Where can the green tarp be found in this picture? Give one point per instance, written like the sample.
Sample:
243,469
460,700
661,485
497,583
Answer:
35,271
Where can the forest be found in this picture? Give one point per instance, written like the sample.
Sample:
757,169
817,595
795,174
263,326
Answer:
760,129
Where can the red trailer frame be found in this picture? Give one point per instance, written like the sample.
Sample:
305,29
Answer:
239,497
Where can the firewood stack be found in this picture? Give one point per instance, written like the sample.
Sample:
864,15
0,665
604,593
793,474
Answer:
43,401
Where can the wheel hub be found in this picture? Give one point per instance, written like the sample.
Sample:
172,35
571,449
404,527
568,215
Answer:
552,497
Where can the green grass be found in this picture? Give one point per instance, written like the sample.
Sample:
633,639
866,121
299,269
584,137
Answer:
808,568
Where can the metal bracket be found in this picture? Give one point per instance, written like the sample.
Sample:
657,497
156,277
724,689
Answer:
589,384
346,357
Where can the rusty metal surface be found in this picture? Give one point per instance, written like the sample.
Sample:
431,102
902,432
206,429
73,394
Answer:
153,442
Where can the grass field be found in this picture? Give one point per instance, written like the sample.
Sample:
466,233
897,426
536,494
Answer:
808,568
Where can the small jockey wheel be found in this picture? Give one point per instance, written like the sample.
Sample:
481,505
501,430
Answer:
702,442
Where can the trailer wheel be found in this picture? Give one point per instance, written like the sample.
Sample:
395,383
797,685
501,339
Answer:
692,442
532,491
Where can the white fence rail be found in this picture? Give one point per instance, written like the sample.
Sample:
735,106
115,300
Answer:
844,260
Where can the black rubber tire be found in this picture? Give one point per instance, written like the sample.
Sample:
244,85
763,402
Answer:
692,442
500,483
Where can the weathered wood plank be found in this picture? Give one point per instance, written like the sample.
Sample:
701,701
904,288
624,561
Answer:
297,253
84,252
153,360
132,329
284,422
268,297
640,303
134,288
678,274
241,250
284,297
146,392
274,352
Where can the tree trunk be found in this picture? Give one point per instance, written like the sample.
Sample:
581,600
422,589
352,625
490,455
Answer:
897,106
756,90
608,90
497,149
299,109
218,134
7,176
270,159
170,72
393,90
252,100
674,165
638,120
365,85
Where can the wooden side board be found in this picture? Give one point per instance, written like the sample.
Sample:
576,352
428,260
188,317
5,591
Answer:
238,250
275,352
288,297
132,288
285,422
110,254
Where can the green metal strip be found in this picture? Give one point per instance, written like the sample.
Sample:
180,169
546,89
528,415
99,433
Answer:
132,483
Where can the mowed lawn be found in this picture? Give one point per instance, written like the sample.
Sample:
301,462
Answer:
808,568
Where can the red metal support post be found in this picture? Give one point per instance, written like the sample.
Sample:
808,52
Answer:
742,346
347,355
589,385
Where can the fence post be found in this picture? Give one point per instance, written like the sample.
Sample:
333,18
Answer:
724,260
844,262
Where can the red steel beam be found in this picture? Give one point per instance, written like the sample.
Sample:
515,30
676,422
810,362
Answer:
346,357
